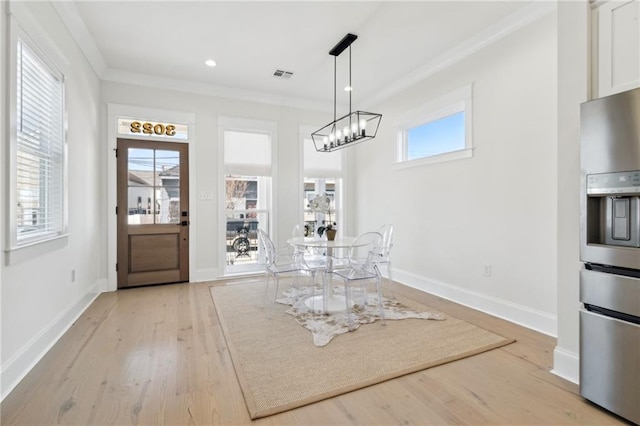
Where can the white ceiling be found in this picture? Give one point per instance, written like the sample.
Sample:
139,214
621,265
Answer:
398,42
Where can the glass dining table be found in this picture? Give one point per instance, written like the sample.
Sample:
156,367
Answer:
334,302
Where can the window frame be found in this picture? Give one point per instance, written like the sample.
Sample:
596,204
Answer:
456,101
269,189
24,31
339,213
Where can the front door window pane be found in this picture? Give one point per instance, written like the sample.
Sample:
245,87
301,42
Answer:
167,171
153,186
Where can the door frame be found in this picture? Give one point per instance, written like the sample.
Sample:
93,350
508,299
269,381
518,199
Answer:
115,111
145,231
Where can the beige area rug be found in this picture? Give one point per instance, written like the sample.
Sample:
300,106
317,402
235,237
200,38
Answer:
279,368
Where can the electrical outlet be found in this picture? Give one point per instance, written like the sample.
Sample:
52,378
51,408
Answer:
487,270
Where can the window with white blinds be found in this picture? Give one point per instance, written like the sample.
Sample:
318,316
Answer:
321,164
39,153
247,153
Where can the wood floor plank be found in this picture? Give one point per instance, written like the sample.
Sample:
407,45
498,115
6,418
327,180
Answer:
157,355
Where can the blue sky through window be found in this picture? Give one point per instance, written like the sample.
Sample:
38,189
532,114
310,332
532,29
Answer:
436,137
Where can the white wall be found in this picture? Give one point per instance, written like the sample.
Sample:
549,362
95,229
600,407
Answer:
3,146
207,109
497,208
39,299
573,89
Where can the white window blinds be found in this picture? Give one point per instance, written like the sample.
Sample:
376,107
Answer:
39,149
247,153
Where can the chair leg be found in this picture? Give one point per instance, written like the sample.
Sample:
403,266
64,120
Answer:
380,299
347,293
313,291
314,309
325,293
365,296
277,277
393,295
266,291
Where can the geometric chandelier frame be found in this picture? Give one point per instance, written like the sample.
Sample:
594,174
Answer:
352,128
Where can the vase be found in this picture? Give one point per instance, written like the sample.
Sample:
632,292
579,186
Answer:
331,234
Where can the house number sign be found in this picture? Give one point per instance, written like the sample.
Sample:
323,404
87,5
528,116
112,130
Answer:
127,126
158,129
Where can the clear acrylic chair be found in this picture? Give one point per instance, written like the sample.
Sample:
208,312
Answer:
312,256
384,257
315,260
278,265
362,268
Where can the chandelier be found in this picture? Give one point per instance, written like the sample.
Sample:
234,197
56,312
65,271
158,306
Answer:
350,129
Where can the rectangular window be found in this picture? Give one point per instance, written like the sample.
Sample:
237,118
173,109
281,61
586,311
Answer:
439,130
436,137
247,202
39,150
322,175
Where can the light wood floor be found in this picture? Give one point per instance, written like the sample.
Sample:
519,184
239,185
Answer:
157,355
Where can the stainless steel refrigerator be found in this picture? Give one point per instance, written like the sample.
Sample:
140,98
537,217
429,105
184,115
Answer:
610,250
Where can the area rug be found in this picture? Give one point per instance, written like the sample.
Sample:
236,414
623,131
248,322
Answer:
279,368
324,328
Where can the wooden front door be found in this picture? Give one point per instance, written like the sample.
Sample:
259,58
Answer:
152,212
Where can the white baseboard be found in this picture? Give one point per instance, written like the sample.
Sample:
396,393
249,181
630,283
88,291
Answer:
566,364
522,315
201,275
17,367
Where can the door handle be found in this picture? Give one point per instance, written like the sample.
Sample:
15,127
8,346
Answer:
184,223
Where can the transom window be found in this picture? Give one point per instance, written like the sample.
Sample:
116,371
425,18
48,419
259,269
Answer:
439,130
443,135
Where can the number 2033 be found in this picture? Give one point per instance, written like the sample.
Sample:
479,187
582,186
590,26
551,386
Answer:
153,129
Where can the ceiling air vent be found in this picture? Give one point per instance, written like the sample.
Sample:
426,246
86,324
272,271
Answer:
283,75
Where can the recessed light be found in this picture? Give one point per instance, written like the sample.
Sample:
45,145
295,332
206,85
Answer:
210,63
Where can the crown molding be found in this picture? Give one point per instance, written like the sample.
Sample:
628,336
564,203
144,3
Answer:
71,18
148,80
517,20
521,18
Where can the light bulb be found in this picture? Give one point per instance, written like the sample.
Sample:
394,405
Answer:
345,131
348,89
325,141
332,137
210,63
338,135
363,126
354,130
